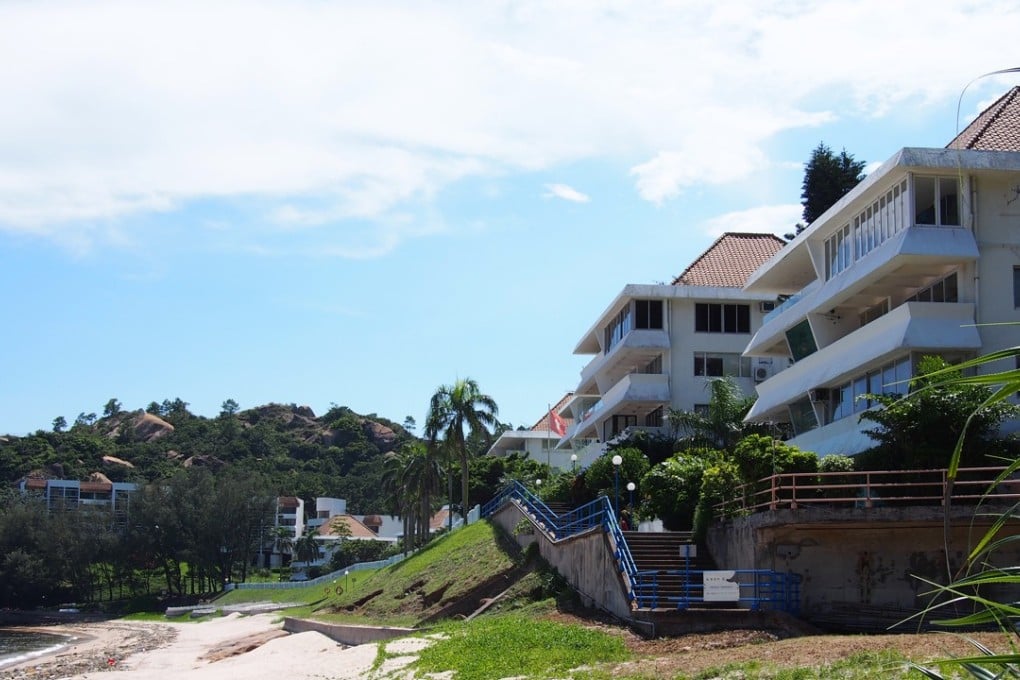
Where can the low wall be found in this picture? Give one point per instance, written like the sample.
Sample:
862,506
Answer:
857,560
346,634
586,561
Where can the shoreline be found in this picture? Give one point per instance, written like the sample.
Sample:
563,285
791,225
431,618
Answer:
90,648
226,648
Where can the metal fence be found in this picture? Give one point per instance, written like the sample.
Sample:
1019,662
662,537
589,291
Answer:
870,489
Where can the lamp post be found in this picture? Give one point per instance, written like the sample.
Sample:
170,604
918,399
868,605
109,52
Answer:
346,580
630,487
538,488
617,461
573,463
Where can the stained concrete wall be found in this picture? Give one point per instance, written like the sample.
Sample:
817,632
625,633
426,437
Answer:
586,561
859,556
346,634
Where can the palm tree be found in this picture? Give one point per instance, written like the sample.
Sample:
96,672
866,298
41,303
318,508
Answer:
454,409
722,426
284,539
411,478
306,547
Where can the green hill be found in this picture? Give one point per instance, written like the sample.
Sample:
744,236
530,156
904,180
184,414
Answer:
338,454
450,578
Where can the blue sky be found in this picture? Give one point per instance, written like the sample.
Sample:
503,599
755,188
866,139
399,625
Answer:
325,202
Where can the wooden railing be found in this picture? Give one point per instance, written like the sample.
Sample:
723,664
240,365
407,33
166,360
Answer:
870,489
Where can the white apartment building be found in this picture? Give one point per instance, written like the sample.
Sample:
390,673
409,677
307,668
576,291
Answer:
540,442
911,262
99,495
655,347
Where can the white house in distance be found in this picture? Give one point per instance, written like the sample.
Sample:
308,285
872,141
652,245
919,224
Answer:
655,347
911,262
539,442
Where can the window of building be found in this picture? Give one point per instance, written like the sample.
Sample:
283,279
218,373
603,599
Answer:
618,424
874,312
720,318
892,378
802,416
655,417
801,340
618,327
944,290
648,314
653,367
718,365
838,252
936,201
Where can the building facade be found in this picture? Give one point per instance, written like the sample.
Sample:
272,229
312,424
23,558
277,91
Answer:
916,260
656,347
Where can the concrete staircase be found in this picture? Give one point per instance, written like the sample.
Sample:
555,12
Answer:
663,552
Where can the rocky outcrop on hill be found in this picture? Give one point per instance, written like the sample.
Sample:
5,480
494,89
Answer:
143,426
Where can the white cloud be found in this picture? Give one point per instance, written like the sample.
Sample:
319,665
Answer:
332,112
768,219
567,193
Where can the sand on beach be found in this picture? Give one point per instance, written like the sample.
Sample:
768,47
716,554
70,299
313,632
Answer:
194,650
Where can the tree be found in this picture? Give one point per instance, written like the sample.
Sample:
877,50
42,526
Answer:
918,431
722,425
307,548
229,408
827,178
59,423
410,423
112,408
452,410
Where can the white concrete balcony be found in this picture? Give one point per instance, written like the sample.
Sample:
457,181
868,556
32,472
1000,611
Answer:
914,326
632,353
635,394
915,254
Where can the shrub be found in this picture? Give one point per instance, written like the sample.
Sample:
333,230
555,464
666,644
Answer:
671,489
718,483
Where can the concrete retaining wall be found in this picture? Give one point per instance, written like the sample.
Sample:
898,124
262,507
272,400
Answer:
586,561
346,634
869,558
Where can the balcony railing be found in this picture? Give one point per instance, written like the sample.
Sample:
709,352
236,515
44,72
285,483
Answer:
870,489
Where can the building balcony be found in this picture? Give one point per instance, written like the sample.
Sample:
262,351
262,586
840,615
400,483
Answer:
635,394
912,258
933,327
634,351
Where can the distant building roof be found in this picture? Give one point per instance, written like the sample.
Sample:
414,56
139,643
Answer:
288,501
543,423
997,128
357,529
730,260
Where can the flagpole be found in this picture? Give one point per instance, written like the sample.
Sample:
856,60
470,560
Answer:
548,443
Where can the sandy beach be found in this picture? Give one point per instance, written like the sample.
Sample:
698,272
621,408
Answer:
233,647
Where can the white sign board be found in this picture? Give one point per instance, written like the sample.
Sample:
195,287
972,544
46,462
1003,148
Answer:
721,586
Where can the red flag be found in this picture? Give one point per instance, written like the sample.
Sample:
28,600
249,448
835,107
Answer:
556,424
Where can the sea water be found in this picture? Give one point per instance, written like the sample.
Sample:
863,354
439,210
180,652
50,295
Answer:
17,646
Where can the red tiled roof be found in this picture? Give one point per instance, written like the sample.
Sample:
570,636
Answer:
730,260
357,529
997,128
543,423
288,501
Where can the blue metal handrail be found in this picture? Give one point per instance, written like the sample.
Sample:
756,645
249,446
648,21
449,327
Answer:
598,512
757,587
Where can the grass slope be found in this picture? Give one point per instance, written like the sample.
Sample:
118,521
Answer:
414,590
